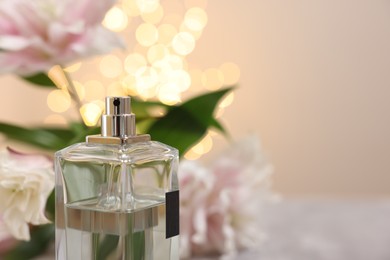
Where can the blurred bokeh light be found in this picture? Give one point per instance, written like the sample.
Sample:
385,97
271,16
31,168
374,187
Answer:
156,67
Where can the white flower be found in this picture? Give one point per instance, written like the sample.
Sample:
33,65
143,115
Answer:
220,204
26,181
4,234
6,240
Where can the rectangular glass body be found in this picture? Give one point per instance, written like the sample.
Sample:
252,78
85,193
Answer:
111,201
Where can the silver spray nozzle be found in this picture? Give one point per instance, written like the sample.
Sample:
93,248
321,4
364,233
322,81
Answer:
118,121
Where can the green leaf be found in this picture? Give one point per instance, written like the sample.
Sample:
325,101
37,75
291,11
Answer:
50,206
40,79
64,133
137,245
142,108
47,137
52,139
107,246
185,125
217,125
144,124
41,237
80,131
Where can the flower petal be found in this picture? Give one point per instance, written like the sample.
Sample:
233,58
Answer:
36,35
26,182
16,225
13,43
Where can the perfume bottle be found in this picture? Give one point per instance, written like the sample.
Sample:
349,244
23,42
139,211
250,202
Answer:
117,194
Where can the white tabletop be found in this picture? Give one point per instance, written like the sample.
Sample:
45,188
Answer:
316,229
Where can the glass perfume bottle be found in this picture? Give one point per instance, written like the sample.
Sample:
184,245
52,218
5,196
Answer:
117,194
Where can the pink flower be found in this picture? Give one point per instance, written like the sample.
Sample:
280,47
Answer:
220,204
35,35
26,182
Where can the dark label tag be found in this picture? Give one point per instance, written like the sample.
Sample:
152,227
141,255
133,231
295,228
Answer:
172,223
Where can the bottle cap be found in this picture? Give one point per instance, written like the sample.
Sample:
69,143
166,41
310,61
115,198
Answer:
118,121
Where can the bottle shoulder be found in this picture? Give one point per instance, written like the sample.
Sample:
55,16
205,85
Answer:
133,151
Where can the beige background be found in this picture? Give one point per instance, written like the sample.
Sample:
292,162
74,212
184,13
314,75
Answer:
314,86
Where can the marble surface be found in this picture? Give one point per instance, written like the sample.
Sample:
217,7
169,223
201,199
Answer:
315,229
